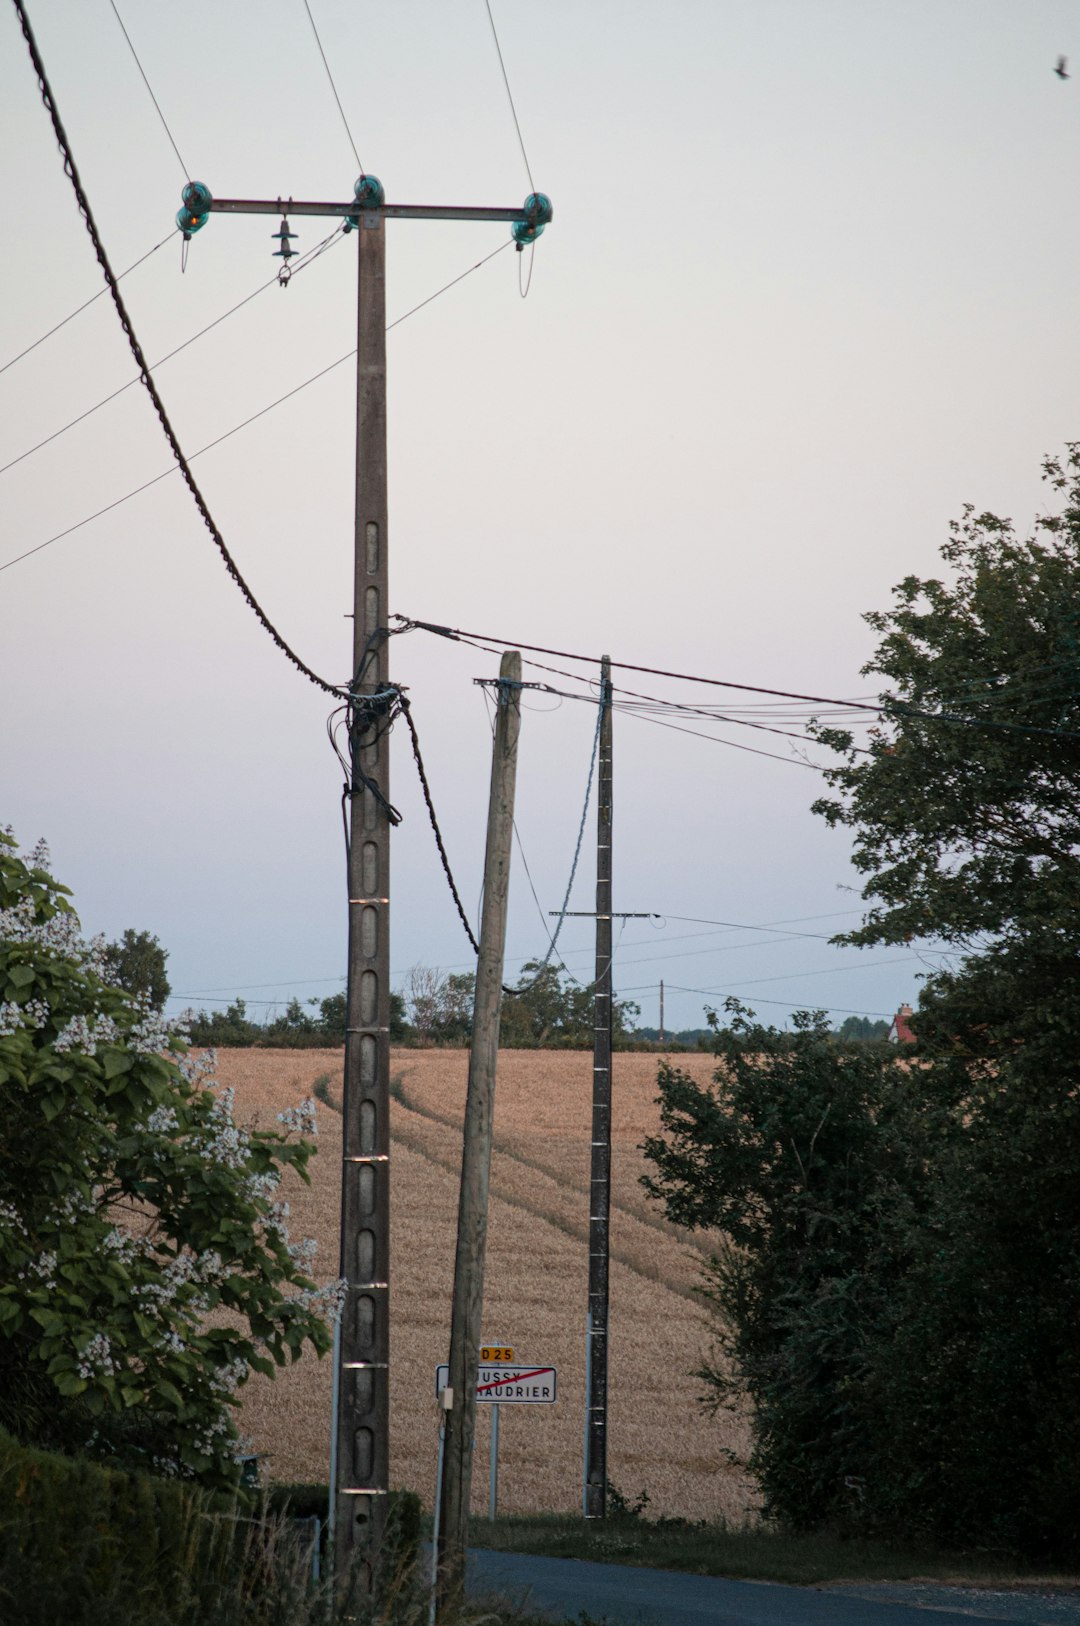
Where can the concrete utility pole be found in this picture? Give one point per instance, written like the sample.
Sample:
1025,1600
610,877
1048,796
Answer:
363,1447
459,1398
596,1357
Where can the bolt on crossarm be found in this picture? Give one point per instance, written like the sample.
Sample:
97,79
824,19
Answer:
362,1453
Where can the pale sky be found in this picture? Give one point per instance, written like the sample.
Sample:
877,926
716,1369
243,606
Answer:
808,290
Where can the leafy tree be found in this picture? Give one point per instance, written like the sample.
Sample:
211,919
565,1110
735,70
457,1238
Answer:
864,1028
966,811
225,1029
806,1161
137,963
440,1007
896,1274
545,1009
131,1207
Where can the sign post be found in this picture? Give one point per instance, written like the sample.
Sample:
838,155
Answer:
493,1465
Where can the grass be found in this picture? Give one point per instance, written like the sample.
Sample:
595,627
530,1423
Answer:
747,1553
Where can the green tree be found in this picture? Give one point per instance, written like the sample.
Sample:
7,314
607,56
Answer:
806,1161
230,1028
966,809
548,1009
137,963
863,1027
896,1273
440,1008
132,1206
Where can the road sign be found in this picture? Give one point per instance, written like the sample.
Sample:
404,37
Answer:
495,1354
507,1385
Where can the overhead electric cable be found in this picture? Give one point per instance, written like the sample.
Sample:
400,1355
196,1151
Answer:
134,266
788,1005
896,706
153,98
323,371
333,87
425,787
510,96
553,937
301,265
83,201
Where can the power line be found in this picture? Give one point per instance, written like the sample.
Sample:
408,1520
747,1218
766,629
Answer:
153,98
787,1004
83,201
301,265
510,96
88,302
553,937
323,371
895,707
440,844
333,87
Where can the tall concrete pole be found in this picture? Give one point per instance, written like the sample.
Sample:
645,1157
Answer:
364,1412
596,1401
468,1300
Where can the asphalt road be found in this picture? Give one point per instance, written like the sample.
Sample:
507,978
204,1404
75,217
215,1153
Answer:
621,1595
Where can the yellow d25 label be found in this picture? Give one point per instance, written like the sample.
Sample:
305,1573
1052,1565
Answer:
496,1352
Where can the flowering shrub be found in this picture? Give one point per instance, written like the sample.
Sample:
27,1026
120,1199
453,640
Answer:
131,1207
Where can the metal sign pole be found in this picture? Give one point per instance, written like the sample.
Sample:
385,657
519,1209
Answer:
493,1467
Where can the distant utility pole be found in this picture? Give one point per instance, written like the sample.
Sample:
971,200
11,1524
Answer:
661,1010
363,1447
594,1476
459,1397
596,1352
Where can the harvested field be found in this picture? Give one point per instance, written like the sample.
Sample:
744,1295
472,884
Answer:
536,1286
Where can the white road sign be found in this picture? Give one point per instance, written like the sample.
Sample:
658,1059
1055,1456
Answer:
508,1385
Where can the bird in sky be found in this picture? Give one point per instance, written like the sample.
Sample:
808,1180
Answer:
1060,69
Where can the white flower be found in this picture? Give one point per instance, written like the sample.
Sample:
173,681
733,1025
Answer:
303,1253
151,1034
227,1379
10,1018
199,1070
11,1218
75,1035
301,1118
96,1359
75,1204
44,1267
161,1120
327,1302
261,1187
123,1244
39,856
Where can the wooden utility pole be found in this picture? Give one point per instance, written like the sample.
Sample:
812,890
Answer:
362,1456
460,1398
596,1361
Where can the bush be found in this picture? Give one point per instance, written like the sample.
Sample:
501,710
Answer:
131,1206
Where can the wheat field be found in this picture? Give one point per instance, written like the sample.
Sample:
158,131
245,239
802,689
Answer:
536,1282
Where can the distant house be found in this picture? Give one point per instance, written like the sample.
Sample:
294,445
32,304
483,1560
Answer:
900,1029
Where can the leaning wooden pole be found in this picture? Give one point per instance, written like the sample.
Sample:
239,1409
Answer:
460,1398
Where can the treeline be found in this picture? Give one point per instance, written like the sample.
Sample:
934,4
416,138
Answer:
897,1228
547,1011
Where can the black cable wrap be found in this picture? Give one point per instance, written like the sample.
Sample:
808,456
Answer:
407,713
144,371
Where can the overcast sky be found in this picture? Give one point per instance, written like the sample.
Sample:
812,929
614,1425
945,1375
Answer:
809,288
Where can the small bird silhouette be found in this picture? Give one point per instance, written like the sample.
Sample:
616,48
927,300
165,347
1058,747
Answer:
1060,69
